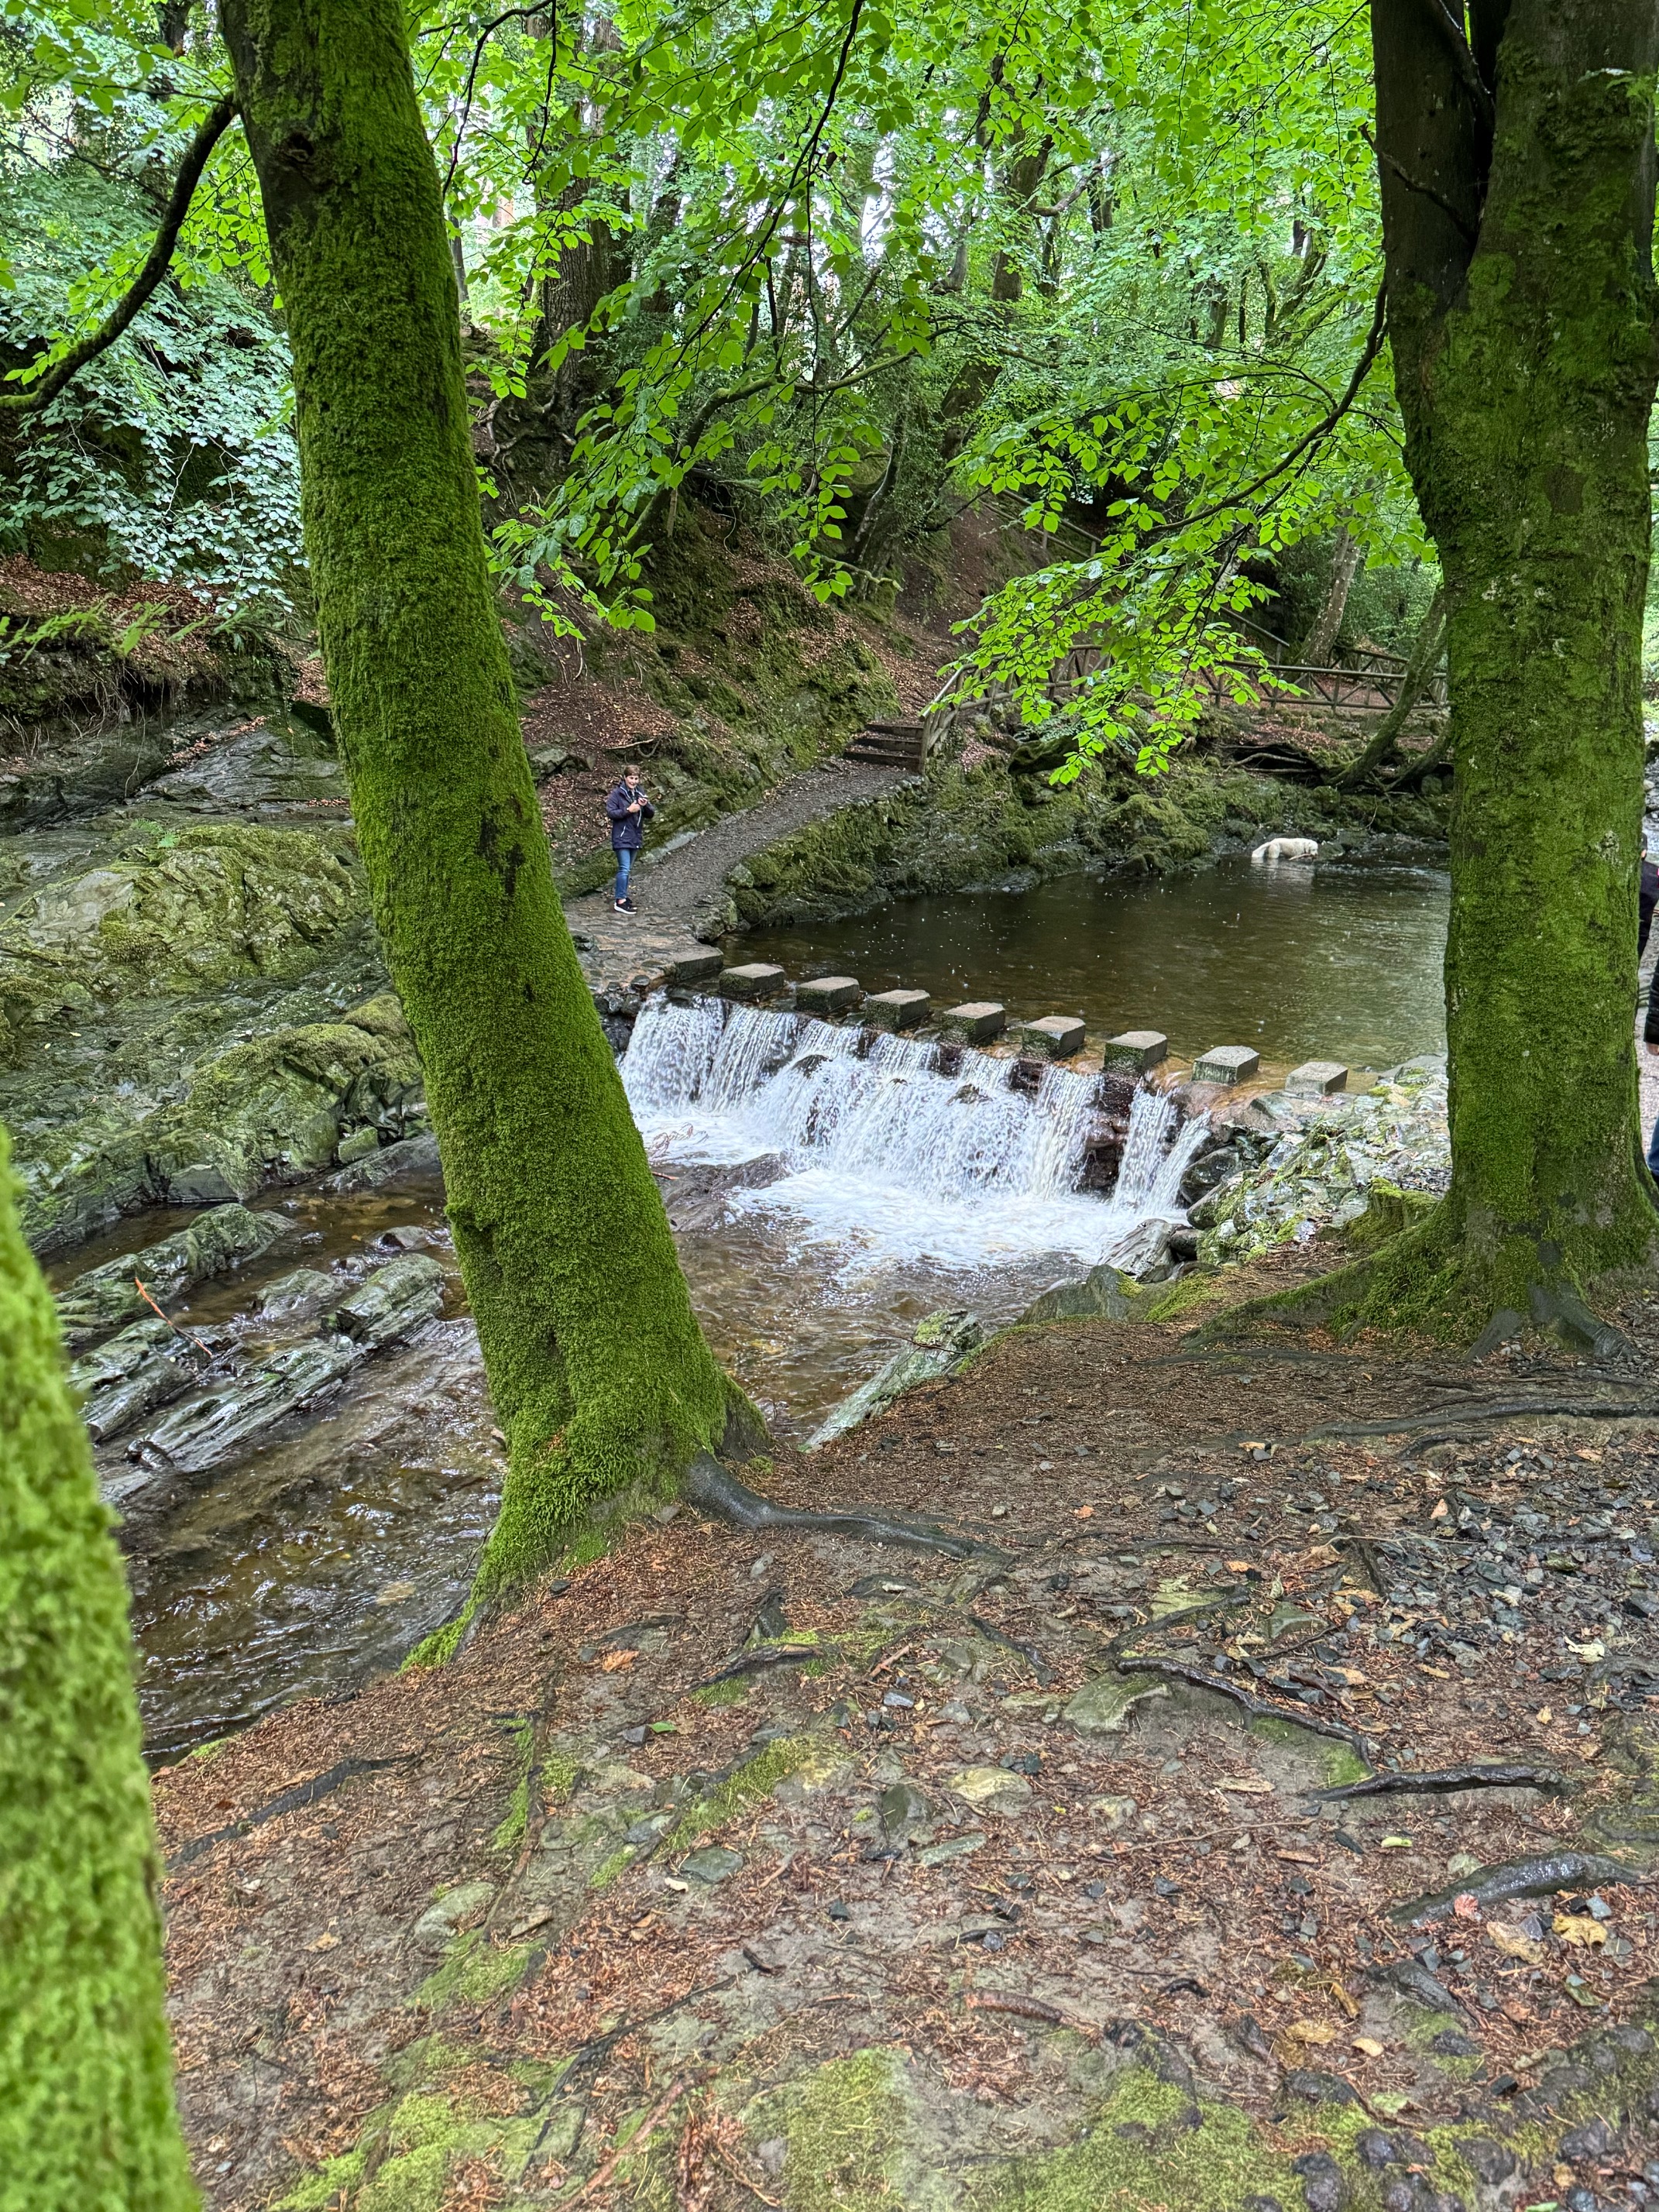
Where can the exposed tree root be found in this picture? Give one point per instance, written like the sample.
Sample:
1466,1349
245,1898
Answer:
719,1492
1447,1779
287,1800
1200,1679
1543,1876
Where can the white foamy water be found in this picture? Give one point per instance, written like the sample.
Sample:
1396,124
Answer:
886,1160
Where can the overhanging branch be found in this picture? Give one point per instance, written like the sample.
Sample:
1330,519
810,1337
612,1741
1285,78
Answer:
41,393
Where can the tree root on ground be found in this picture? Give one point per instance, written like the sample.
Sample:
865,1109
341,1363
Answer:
719,1492
1543,1876
287,1800
1446,1778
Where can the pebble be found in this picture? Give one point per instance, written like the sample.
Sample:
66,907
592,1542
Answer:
712,1864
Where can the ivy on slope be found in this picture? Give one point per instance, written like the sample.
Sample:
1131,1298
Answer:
172,453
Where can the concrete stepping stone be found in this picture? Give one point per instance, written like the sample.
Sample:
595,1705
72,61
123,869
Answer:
828,994
897,1009
754,979
1225,1063
1054,1036
1316,1078
697,963
1136,1051
979,1019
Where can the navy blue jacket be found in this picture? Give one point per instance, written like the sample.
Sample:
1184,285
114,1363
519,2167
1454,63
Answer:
627,830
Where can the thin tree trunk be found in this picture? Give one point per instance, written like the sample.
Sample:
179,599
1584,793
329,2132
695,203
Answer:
1420,665
1517,199
86,2112
599,1373
1347,556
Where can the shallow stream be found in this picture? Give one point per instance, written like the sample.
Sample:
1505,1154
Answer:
824,1199
1331,960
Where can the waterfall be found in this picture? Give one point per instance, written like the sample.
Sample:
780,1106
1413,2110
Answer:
883,1154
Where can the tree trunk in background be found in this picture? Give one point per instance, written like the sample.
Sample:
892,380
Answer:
1347,556
599,1373
1420,663
1517,203
86,2112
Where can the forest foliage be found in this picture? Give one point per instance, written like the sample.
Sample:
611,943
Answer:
840,271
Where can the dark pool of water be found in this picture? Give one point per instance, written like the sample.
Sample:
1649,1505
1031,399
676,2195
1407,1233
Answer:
1322,960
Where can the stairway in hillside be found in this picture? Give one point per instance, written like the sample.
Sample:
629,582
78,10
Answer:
890,744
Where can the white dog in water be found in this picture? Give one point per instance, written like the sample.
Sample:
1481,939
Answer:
1284,849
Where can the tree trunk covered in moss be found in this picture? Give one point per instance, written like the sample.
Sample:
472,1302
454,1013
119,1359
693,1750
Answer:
599,1373
87,2115
1517,199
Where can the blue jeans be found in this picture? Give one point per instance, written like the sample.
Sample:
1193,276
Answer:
1653,1152
624,868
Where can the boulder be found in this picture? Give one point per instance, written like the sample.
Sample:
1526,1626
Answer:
940,1344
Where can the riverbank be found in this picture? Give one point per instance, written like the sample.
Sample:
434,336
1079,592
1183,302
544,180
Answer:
792,1869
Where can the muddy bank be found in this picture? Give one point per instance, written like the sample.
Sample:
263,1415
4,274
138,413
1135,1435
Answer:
820,1874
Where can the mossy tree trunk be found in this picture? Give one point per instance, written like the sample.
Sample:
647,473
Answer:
87,2113
1517,188
599,1373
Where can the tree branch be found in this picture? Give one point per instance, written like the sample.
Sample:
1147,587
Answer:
1452,27
87,348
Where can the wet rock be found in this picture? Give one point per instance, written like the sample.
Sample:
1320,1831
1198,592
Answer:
1104,1294
1595,2139
218,1241
1489,2162
1114,1813
273,764
953,1847
391,1302
1103,1706
407,1159
134,1373
1323,2189
940,1344
297,1295
227,1419
712,1864
1375,2150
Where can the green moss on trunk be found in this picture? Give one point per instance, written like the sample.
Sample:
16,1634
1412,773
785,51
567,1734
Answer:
599,1373
87,2116
1525,359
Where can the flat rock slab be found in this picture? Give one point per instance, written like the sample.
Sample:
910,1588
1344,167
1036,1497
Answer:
828,994
1136,1051
1225,1063
897,1009
1054,1036
979,1019
1103,1706
755,979
1316,1078
696,963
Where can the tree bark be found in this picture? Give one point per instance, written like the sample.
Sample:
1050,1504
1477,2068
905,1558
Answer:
1346,557
1518,185
87,2113
599,1373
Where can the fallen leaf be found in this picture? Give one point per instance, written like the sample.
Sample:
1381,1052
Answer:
1543,1716
328,1942
1250,1786
1344,2001
1578,1927
1513,1944
1438,1673
1369,2045
1311,2030
1395,1844
614,1661
1239,1566
1439,1512
1083,1513
1299,1858
1466,1906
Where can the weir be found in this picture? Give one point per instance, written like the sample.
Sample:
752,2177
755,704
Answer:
895,1147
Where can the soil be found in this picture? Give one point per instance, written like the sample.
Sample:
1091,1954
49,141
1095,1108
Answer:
473,1927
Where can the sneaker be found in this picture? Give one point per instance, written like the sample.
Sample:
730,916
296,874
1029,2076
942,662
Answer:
628,905
621,906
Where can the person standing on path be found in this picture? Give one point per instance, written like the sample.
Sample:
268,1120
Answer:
1647,899
630,810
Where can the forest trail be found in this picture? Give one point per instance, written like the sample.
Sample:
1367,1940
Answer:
673,888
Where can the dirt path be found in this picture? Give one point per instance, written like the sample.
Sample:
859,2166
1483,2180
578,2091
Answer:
826,1874
672,890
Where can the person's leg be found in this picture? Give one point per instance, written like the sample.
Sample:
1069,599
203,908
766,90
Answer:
624,868
1653,1151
